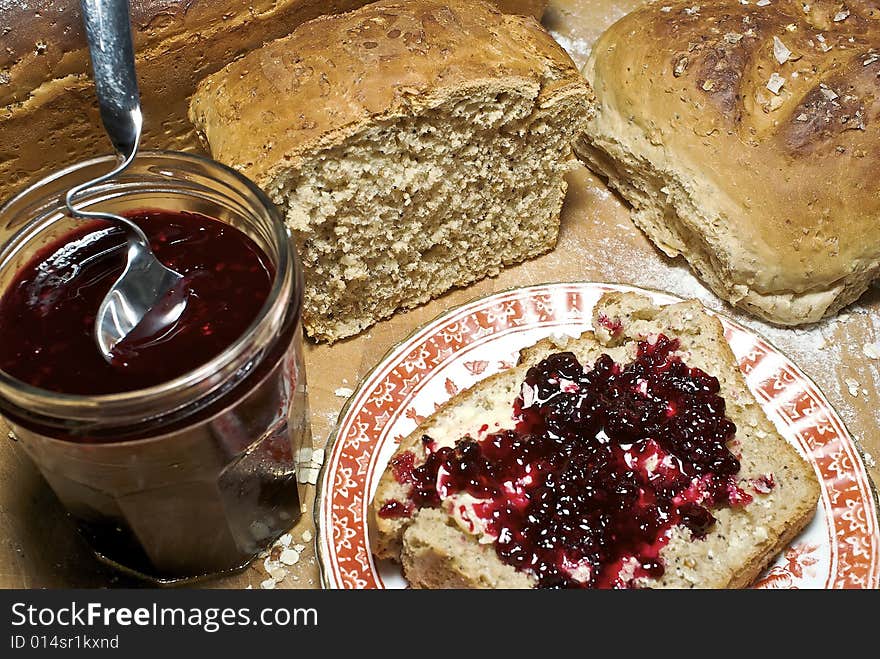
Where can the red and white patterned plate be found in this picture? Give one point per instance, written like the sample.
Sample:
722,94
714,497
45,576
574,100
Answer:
838,550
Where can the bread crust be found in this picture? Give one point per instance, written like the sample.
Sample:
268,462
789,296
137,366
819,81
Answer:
385,60
435,552
773,198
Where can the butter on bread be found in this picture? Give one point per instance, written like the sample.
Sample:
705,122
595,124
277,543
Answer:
436,550
413,147
746,138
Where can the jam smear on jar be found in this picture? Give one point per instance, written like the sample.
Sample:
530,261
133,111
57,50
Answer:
47,314
602,464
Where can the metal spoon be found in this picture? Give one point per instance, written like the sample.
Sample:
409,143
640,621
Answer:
145,281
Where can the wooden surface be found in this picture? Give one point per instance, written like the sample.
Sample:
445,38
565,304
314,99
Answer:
39,547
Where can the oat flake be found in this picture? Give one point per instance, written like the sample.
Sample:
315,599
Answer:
780,51
775,83
828,93
289,557
853,387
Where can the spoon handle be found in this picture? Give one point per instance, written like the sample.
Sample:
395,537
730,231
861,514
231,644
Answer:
108,30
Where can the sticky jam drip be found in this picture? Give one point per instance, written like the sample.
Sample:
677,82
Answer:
602,464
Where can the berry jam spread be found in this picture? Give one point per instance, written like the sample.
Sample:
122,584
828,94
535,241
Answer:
600,467
395,509
47,315
614,327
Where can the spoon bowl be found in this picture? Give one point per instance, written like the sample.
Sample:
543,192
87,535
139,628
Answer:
145,282
145,297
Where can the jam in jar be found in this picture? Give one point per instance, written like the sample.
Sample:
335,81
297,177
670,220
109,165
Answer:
177,457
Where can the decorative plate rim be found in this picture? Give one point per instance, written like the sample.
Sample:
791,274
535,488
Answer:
322,489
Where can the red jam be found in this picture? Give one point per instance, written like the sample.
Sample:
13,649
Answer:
614,327
584,491
402,467
395,509
47,315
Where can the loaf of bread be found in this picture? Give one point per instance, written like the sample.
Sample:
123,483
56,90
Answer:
450,542
48,113
413,146
746,137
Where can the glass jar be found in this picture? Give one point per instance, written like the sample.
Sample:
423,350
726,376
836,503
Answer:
194,476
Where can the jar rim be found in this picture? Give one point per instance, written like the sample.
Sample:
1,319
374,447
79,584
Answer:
288,275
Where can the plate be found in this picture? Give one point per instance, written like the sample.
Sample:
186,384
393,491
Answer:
839,549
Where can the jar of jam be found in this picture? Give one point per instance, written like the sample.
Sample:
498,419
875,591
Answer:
177,458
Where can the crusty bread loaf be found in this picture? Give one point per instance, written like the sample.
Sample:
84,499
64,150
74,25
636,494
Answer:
413,146
48,113
746,135
435,551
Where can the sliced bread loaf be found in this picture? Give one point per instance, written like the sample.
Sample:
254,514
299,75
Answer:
47,97
462,539
413,146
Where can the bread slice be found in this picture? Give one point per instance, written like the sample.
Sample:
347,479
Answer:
413,147
745,137
436,551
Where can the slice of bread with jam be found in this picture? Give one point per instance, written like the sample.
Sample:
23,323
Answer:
632,456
